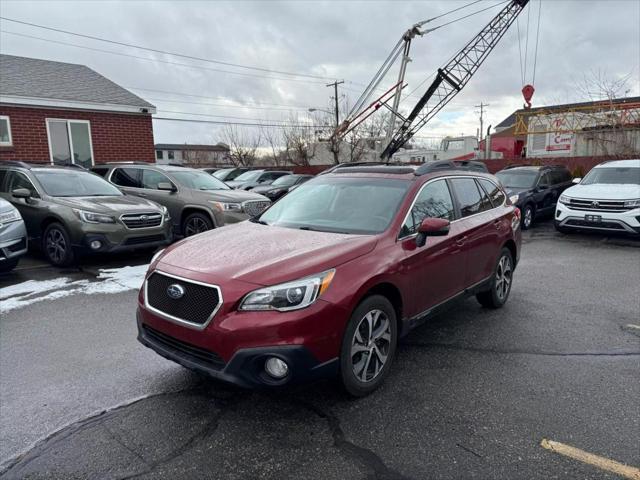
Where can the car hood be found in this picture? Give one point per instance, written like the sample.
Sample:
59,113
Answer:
604,191
267,188
516,191
235,183
120,204
238,196
262,254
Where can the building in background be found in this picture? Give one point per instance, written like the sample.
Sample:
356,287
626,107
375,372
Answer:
63,113
197,156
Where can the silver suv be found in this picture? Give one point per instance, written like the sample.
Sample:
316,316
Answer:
196,200
13,236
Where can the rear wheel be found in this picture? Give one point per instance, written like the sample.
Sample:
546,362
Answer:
196,223
368,346
56,245
527,217
501,282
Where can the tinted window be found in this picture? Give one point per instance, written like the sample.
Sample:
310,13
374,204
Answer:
3,175
433,201
20,180
65,183
126,177
545,179
151,179
495,194
469,197
102,171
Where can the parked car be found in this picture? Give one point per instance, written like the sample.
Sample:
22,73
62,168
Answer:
210,170
535,190
253,178
69,211
281,186
336,272
196,200
472,165
13,236
228,174
606,199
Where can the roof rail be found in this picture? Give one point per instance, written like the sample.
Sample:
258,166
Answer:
361,164
508,167
125,162
431,167
15,163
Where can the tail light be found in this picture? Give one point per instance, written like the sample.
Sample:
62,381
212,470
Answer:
515,220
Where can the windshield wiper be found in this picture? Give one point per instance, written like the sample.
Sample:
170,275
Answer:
312,229
257,220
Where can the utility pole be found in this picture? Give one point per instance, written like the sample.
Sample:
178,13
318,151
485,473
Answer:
335,89
481,107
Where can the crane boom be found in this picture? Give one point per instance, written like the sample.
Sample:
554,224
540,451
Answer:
451,78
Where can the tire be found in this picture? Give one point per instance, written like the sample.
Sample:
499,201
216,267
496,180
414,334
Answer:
56,245
196,223
501,282
527,216
358,374
7,265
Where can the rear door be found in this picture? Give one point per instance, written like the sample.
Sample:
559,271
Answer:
434,272
127,179
479,229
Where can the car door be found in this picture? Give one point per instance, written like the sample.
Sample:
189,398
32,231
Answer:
149,182
545,195
433,271
479,229
31,209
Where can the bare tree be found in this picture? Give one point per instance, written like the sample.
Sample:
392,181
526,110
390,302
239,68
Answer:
300,141
243,145
274,140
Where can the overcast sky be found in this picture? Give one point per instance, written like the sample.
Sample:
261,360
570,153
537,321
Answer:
343,40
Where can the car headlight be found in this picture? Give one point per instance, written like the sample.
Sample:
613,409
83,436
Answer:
90,217
227,207
12,215
514,198
564,200
289,296
632,203
165,213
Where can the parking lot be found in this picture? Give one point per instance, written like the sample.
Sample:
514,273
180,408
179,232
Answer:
472,394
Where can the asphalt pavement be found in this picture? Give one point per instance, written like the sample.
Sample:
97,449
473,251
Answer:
471,395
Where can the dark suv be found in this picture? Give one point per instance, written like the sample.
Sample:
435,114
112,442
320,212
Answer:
197,201
69,211
535,190
338,270
253,178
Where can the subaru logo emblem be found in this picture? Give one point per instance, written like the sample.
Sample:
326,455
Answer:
175,291
144,218
595,204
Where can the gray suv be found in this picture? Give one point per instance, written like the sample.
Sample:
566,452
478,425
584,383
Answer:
69,211
13,236
196,200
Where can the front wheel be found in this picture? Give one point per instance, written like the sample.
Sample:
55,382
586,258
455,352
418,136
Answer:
527,217
196,223
368,346
56,245
501,282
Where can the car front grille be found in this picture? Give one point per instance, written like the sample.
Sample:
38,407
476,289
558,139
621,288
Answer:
603,225
254,208
597,205
142,220
196,305
200,355
144,239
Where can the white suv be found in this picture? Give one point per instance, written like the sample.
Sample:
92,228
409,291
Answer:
608,198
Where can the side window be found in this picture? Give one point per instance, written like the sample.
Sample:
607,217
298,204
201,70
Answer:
433,201
544,180
102,171
151,179
126,177
495,194
20,180
469,196
3,175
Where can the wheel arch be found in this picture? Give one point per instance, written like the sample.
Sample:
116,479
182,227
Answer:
189,209
388,290
512,247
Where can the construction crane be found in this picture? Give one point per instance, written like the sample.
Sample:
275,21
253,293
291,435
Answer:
448,82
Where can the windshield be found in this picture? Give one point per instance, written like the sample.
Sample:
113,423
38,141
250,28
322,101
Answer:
198,180
613,175
66,183
517,179
249,176
341,205
285,181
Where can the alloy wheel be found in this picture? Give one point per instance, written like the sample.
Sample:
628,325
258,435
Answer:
370,345
503,277
194,226
528,217
56,245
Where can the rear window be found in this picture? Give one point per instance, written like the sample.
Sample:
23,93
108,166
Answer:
471,197
126,177
102,171
495,194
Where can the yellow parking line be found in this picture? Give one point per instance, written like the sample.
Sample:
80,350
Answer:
600,462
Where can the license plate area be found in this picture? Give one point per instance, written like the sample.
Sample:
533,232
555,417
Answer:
593,218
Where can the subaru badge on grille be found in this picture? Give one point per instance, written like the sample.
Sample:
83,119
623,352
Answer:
175,291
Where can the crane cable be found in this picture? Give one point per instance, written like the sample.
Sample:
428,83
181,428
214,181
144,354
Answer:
535,55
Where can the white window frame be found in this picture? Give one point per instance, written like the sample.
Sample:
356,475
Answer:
69,121
10,142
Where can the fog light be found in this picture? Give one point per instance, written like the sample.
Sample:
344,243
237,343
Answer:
95,244
276,368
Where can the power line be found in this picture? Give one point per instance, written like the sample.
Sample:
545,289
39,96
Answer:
157,60
216,122
165,52
221,105
223,116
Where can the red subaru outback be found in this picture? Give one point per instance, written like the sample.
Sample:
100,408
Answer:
326,280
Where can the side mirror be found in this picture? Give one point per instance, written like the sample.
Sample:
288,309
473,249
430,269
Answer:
432,227
576,180
21,193
166,186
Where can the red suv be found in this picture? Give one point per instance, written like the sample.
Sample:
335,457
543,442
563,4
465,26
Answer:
326,280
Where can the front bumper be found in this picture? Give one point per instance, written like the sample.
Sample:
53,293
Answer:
13,240
624,222
118,238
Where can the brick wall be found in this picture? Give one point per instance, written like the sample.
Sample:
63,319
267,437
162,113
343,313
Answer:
115,136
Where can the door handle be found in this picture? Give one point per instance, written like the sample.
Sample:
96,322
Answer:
142,195
461,241
497,223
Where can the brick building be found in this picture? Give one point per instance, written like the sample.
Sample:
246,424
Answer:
61,113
